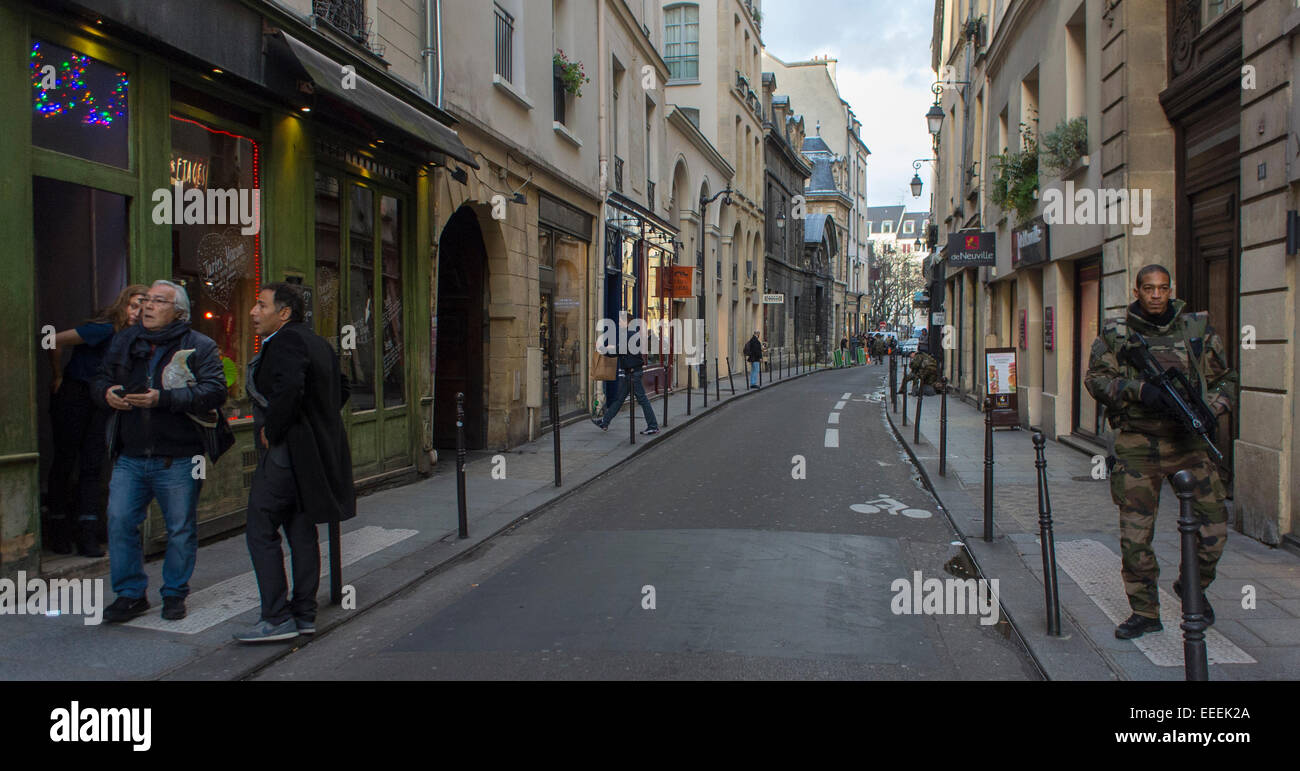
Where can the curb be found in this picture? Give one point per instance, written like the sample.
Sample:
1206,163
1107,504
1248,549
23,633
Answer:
230,660
1042,658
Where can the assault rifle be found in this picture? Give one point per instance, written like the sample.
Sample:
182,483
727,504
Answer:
1178,393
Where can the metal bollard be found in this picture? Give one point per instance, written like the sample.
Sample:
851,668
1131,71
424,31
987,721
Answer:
460,466
1046,538
632,406
704,380
1195,663
904,400
943,428
336,563
688,389
916,430
664,423
555,419
730,382
893,383
717,381
988,469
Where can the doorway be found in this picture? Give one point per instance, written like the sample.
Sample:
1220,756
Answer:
461,329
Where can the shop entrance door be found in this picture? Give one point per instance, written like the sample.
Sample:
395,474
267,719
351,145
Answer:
361,309
81,266
462,258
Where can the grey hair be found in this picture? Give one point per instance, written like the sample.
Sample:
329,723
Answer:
182,298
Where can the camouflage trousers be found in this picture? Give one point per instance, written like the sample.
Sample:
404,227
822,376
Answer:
1142,464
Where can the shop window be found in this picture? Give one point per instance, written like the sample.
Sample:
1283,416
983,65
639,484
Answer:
361,297
326,296
563,266
216,242
390,214
79,105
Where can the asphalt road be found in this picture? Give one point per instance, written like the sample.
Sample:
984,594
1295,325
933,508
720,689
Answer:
756,574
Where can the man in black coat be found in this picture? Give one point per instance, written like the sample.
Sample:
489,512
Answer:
304,470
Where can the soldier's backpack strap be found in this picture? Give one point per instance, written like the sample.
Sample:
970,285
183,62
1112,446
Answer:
1195,326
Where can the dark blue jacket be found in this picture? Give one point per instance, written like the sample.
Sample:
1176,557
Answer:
165,429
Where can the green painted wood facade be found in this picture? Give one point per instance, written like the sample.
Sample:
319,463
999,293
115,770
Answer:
385,445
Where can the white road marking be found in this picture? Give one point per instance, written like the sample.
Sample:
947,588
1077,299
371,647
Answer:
1095,568
882,463
832,437
839,405
846,396
834,418
227,599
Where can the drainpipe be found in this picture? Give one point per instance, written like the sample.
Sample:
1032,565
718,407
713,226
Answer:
432,48
602,185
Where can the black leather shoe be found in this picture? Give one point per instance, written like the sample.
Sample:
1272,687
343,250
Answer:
173,608
1136,626
125,609
1205,601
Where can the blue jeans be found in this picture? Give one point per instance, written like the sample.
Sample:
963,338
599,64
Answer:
637,388
135,482
753,373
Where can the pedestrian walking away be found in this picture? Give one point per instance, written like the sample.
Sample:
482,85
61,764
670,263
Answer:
754,355
77,426
304,466
157,378
1150,444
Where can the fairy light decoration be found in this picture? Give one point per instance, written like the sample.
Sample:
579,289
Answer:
70,93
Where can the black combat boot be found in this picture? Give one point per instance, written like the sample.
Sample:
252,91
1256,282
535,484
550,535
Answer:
1136,626
57,537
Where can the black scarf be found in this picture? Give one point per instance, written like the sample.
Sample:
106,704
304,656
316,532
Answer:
1157,321
146,339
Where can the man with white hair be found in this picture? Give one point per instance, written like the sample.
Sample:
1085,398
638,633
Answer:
153,377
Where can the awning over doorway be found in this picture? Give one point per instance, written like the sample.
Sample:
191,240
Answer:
328,76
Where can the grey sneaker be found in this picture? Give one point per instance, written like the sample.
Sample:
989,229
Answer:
305,626
650,431
265,631
600,425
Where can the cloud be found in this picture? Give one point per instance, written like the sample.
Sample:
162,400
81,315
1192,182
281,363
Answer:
883,72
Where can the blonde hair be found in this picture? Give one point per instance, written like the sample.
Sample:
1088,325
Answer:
117,313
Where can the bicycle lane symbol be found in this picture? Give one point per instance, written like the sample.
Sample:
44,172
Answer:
889,505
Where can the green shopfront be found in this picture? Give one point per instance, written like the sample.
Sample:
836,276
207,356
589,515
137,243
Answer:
136,148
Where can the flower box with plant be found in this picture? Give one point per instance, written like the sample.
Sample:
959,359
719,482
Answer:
1014,185
1065,148
571,75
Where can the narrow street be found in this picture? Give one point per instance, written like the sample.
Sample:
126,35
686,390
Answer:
755,574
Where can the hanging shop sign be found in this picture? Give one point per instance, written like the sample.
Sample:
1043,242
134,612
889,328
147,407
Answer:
676,281
1029,244
971,249
773,299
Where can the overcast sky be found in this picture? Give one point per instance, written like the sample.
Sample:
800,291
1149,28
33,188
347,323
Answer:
883,48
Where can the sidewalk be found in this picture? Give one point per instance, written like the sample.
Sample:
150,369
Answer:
398,536
1262,643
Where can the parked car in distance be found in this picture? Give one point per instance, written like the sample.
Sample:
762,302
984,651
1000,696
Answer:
909,345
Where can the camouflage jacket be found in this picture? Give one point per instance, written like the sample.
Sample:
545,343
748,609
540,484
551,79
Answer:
923,367
1116,384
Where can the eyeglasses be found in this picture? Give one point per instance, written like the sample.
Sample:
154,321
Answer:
157,301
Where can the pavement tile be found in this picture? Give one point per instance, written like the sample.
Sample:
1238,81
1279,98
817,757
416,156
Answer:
1275,631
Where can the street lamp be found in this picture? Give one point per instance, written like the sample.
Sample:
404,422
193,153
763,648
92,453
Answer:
916,177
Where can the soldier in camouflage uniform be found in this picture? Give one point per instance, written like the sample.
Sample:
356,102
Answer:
1150,444
923,369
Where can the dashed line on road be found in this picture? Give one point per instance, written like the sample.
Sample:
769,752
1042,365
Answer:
832,437
839,405
834,418
846,396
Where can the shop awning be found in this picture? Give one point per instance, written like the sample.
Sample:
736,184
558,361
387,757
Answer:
328,76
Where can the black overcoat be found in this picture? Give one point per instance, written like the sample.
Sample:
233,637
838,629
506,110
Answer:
299,375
